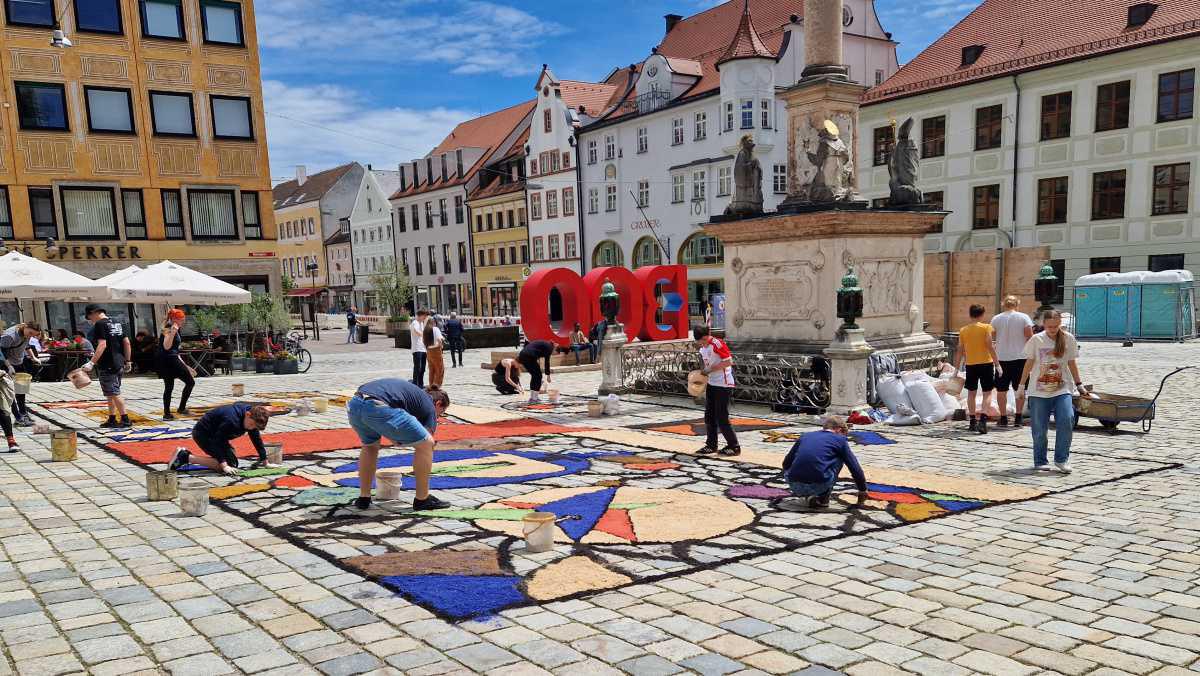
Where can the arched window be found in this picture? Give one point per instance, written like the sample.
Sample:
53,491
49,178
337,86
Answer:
647,252
607,254
702,249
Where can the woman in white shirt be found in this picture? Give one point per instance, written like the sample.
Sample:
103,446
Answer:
1053,376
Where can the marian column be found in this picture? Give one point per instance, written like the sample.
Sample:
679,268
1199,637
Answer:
823,39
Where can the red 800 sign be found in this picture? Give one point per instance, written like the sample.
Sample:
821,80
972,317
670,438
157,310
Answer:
640,291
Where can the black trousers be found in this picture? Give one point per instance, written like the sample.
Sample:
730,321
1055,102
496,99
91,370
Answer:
535,373
456,352
19,408
716,416
170,370
502,385
420,359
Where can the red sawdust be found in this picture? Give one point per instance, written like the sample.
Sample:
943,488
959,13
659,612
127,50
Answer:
616,522
902,498
654,466
293,482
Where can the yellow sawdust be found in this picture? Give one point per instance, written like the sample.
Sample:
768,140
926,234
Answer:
570,576
674,444
918,511
135,418
226,492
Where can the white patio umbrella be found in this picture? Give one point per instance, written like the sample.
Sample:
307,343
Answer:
26,278
119,275
174,284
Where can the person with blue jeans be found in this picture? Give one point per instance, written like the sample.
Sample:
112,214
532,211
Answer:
351,325
407,415
1052,375
815,461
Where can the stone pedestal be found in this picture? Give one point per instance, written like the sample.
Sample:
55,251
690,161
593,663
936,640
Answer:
809,104
848,355
610,360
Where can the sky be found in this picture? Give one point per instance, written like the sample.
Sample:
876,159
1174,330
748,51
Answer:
384,82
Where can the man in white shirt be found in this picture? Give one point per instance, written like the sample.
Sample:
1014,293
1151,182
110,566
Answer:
416,334
1012,330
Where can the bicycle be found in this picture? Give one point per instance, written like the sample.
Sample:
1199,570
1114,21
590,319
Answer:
294,344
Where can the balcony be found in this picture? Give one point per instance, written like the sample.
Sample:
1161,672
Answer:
645,103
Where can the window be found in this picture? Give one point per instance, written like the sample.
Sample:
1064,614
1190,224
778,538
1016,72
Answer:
172,205
591,150
222,22
163,19
779,179
1175,93
566,160
878,77
135,215
1112,106
677,131
1108,195
572,249
446,259
231,117
643,140
478,222
458,164
699,179
521,216
416,218
987,207
98,16
442,212
610,197
1104,264
701,126
490,221
535,205
6,226
1140,13
42,106
1052,200
936,198
607,253
539,249
1171,185
251,221
433,260
729,116
568,201
401,225
988,127
1164,262
547,125
724,181
971,54
41,209
89,213
677,189
643,193
429,216
933,136
462,256
1056,116
747,114
553,161
503,257
593,200
458,210
555,251
610,147
551,204
701,249
764,111
171,114
109,110
482,258
212,213
885,140
533,164
524,253
647,251
30,12
417,260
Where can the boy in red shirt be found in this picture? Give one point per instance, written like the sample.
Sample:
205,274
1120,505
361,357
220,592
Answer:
718,366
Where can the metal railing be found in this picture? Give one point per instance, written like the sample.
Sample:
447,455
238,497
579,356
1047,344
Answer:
645,103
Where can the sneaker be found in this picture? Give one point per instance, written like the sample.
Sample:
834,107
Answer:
24,421
13,446
974,426
707,450
182,410
168,416
814,502
983,424
361,503
730,451
1041,468
111,423
180,459
1017,420
1003,421
1063,467
533,398
429,504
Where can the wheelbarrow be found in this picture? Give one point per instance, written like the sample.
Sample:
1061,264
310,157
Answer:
1112,409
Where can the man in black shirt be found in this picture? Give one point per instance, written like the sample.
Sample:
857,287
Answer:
351,324
528,357
215,431
111,359
455,338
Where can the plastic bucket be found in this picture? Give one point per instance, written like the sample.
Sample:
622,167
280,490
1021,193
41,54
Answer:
552,396
79,379
595,409
387,486
21,382
63,445
193,498
612,405
320,404
538,528
162,485
237,389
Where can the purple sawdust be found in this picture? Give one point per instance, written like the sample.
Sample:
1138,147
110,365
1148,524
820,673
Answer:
757,491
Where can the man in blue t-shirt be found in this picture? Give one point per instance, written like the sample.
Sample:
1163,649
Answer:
405,413
815,461
215,432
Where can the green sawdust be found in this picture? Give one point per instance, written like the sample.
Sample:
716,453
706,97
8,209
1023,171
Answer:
466,469
263,471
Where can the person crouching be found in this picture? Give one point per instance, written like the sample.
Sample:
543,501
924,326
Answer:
815,461
215,432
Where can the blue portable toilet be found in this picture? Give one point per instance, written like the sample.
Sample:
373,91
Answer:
1091,305
1150,305
1167,305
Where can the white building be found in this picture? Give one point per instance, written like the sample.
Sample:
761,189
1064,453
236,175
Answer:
432,236
339,261
1072,127
659,163
371,233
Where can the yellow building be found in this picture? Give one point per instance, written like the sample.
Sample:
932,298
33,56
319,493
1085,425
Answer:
500,235
140,138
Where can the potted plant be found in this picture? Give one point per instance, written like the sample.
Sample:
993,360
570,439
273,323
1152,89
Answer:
286,364
394,291
264,362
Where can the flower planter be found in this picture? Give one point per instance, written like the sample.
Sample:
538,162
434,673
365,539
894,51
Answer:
264,365
395,328
249,364
284,367
237,363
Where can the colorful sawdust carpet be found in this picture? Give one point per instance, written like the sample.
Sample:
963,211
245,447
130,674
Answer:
695,427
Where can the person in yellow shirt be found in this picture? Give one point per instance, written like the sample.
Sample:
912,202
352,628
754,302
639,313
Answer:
975,348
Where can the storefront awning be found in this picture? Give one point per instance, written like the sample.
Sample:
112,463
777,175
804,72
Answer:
306,292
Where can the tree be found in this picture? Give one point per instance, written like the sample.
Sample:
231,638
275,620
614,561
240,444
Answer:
287,283
264,314
205,320
393,289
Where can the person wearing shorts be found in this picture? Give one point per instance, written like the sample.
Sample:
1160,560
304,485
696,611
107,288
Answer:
1013,329
407,415
975,349
214,434
112,356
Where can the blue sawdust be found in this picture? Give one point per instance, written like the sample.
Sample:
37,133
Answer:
589,507
869,438
460,596
958,505
888,488
570,464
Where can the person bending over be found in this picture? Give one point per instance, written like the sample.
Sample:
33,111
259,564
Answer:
214,434
507,377
407,415
815,461
529,357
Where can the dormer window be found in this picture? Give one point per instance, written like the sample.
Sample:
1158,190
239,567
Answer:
1140,13
971,54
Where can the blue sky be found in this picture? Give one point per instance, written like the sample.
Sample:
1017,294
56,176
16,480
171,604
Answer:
384,82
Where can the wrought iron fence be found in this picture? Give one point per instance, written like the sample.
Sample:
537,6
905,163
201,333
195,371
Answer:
928,359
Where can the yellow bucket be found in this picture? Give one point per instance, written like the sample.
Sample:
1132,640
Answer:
22,381
63,446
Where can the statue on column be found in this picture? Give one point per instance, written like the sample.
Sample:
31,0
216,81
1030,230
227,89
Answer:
747,176
833,177
902,167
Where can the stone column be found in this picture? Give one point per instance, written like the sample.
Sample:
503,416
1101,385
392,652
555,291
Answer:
848,355
823,39
610,360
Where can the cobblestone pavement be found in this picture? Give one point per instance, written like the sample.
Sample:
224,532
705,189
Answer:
1097,572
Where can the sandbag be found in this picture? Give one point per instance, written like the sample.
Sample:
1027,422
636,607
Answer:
950,403
891,390
926,401
901,420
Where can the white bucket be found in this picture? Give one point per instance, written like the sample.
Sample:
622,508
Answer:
21,382
552,396
387,486
193,498
612,405
274,453
538,528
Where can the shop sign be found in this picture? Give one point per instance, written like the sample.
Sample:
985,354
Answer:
89,252
263,254
644,225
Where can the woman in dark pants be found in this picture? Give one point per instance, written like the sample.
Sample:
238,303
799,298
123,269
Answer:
507,377
170,365
528,357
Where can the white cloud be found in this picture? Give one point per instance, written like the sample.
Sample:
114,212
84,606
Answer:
340,126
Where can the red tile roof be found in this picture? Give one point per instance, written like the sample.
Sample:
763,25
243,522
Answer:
592,96
313,188
1023,35
746,43
487,132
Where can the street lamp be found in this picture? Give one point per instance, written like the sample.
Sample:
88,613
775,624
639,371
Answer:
1046,287
312,268
849,300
